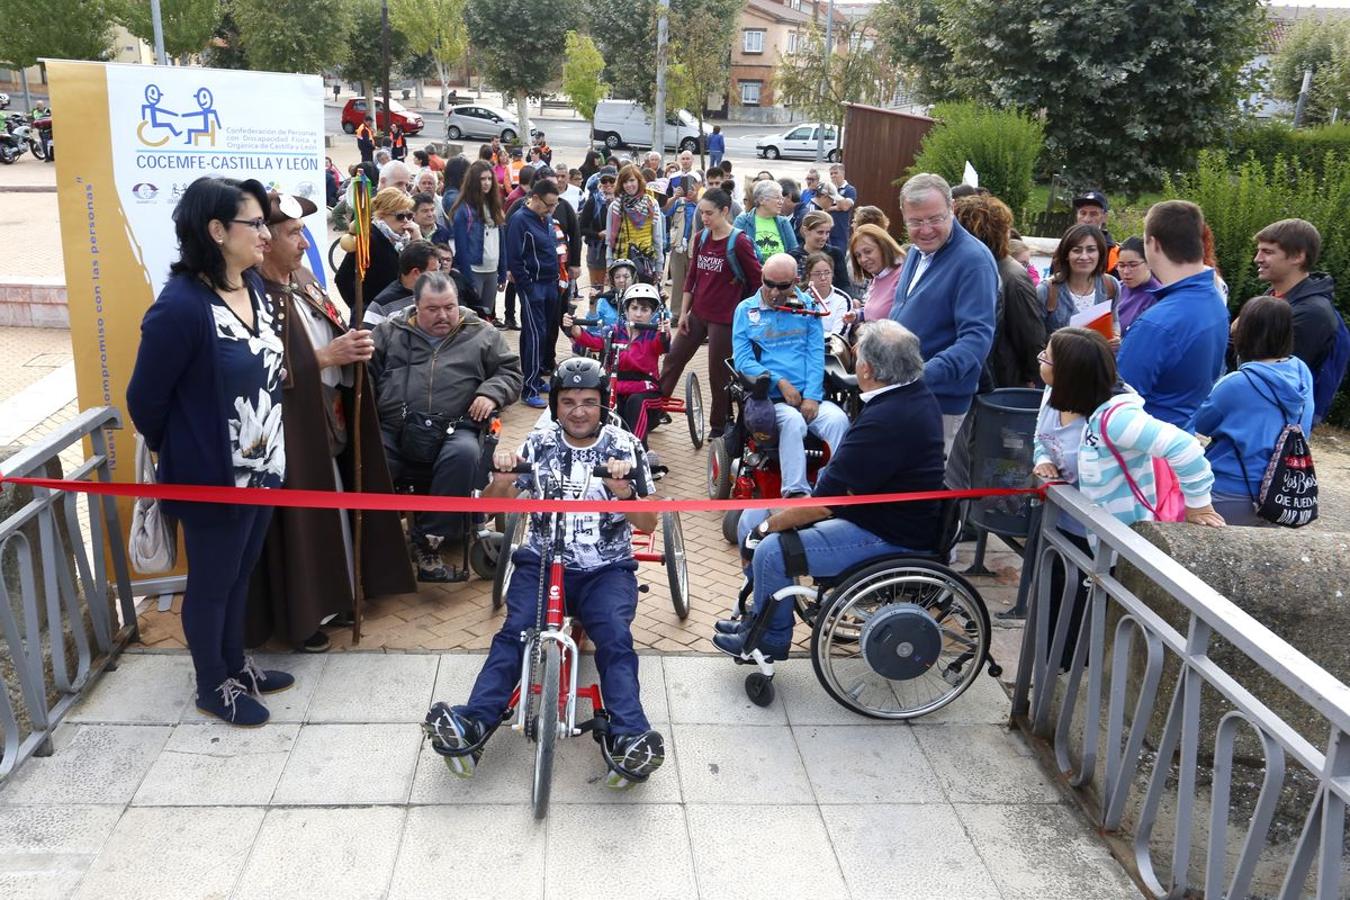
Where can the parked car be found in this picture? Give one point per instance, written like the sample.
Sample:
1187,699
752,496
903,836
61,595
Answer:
800,142
625,123
474,120
355,112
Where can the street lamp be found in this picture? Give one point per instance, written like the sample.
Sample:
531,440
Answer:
157,19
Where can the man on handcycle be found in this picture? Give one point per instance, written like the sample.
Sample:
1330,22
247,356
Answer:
600,583
895,446
774,334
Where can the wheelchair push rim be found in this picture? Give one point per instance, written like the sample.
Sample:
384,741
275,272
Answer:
918,599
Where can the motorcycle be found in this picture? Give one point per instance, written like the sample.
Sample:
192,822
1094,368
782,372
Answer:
14,140
43,147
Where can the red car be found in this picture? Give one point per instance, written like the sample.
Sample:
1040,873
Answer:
354,113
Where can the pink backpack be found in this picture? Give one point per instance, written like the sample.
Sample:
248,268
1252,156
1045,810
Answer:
1171,505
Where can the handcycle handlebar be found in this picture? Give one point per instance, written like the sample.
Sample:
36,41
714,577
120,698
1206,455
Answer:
596,472
587,323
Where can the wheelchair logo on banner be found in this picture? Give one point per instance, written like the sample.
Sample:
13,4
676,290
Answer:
160,125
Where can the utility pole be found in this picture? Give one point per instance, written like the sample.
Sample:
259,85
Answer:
1303,97
384,50
659,113
157,19
824,79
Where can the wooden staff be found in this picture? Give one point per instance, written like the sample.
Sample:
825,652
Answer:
361,206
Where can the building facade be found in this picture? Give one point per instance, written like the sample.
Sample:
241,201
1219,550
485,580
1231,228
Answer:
768,31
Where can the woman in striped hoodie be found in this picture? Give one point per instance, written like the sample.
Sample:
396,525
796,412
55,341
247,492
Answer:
1084,383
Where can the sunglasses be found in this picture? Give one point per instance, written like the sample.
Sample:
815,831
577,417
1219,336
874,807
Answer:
777,285
403,216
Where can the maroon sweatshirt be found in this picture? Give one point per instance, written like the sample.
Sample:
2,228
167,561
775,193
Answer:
712,282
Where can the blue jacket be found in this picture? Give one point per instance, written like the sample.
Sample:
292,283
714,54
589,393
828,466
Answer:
1174,352
468,230
746,222
1243,416
717,142
843,221
789,346
952,311
531,248
176,398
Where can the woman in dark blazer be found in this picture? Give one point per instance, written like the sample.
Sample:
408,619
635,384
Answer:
206,395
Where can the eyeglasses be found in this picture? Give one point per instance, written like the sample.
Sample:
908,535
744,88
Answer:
777,285
824,274
403,216
259,224
1045,360
1128,266
930,222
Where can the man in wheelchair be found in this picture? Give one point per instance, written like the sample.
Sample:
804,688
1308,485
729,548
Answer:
774,333
439,373
600,581
895,446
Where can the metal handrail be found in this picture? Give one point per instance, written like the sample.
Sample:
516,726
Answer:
1046,705
75,587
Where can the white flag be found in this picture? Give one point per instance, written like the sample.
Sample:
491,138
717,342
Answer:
971,177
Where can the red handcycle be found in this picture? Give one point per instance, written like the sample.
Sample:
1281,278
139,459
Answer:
543,705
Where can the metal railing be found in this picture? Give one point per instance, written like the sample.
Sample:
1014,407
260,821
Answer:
61,635
1153,774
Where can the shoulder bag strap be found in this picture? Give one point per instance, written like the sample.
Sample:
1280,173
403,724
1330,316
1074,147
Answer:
1052,298
1120,461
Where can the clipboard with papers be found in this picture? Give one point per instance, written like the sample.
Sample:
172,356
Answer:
1096,317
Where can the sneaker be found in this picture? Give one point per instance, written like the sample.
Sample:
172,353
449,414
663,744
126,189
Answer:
230,702
317,642
512,325
733,645
263,681
732,626
451,736
635,757
431,569
536,402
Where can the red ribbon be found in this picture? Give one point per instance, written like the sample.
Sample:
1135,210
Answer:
286,497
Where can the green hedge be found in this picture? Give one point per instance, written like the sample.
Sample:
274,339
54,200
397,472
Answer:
1240,199
1002,145
1306,146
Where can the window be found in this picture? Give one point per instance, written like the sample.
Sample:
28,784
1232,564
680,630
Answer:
801,134
750,93
793,37
753,40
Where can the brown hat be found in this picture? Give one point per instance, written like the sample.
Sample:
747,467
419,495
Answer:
288,206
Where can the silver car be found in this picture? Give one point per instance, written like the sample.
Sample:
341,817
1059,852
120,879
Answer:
477,121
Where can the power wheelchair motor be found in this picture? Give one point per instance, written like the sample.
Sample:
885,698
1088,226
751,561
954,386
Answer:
894,637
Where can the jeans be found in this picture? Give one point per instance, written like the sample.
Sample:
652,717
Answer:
715,157
829,425
832,546
605,601
222,550
534,320
452,475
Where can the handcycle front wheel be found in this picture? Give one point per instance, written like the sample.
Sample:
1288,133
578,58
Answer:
547,676
677,563
513,535
693,410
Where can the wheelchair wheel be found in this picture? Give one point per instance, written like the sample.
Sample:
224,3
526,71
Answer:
546,676
677,564
719,470
730,519
901,638
513,535
334,260
484,555
693,410
759,688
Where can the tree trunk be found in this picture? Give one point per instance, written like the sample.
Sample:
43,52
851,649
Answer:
368,86
419,93
523,116
443,72
702,141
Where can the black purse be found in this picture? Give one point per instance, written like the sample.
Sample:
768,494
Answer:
420,440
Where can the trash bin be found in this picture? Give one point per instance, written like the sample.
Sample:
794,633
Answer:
1000,456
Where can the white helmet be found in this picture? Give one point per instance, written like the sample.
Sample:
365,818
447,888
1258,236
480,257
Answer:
642,293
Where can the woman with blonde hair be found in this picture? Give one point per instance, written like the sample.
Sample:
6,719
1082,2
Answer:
635,228
875,258
392,227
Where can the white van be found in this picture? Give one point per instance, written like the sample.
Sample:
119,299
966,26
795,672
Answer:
624,123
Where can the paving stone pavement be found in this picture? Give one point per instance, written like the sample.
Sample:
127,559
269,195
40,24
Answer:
340,797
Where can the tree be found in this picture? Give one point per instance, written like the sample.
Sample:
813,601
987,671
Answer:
1323,47
517,44
910,33
435,28
625,34
292,35
365,53
581,76
1129,92
701,45
819,81
57,29
188,24
226,49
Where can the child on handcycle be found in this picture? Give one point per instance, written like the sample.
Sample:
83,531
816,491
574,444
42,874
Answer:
639,363
608,304
600,581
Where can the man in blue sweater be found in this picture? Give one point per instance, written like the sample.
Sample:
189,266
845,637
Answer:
1174,352
790,348
536,256
947,295
894,447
